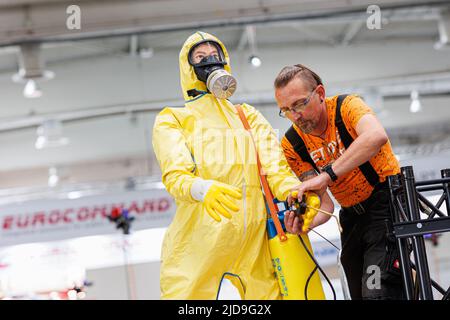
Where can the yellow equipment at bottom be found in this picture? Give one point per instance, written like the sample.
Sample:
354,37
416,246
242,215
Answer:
294,266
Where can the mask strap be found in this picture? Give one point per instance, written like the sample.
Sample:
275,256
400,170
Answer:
194,92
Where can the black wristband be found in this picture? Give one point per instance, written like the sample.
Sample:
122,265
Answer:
329,170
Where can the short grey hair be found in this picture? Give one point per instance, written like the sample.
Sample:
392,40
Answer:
288,73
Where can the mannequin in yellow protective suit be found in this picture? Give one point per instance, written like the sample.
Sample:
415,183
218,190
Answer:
204,146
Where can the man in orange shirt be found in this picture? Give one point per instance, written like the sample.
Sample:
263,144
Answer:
338,143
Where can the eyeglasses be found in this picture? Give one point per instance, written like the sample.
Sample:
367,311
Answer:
299,107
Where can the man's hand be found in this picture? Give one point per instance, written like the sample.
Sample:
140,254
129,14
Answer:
293,223
318,184
305,220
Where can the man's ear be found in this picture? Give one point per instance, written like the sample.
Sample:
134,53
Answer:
321,92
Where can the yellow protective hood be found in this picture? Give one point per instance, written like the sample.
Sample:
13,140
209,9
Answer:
188,78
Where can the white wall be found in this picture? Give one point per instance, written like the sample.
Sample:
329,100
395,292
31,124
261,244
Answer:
137,282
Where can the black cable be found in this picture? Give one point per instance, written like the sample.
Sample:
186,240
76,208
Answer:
221,281
312,273
317,267
339,249
307,282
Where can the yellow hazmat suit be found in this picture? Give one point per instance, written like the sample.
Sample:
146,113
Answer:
206,139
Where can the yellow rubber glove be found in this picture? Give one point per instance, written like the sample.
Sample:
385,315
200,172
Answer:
219,200
313,202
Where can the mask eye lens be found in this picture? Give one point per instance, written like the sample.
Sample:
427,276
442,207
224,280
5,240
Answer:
204,50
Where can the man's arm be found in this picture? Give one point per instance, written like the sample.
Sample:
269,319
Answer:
371,137
326,203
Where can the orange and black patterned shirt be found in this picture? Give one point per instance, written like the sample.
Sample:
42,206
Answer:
353,187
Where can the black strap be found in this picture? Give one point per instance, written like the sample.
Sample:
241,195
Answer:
366,168
299,147
194,92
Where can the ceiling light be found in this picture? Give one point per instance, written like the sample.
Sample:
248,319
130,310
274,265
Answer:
146,53
415,106
31,70
255,61
74,195
50,135
53,177
31,89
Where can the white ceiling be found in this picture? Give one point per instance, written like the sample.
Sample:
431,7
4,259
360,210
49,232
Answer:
30,20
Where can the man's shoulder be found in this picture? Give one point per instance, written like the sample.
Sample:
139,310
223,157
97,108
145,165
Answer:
350,104
353,105
352,110
331,99
350,97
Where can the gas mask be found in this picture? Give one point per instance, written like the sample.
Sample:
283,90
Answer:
208,61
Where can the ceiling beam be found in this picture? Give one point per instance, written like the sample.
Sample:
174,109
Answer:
351,31
314,35
39,23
